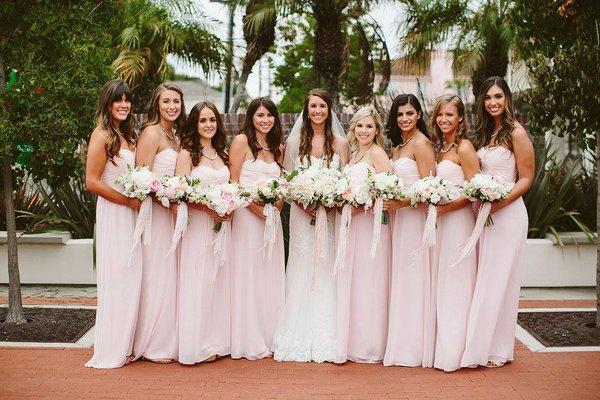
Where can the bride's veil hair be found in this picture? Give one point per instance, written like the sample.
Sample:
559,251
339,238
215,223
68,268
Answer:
299,140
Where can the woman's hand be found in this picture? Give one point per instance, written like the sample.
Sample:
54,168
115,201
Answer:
358,210
391,205
134,203
257,209
310,212
173,208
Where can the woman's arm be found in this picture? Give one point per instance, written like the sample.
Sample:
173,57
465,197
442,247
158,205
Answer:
424,157
237,156
380,160
94,166
525,160
342,150
147,147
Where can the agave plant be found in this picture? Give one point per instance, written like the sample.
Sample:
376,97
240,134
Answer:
30,207
554,188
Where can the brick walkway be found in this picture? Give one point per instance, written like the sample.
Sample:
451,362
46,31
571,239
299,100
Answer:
59,373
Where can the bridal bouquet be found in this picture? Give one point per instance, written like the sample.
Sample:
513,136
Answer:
487,188
431,190
222,198
172,189
139,183
386,186
266,192
315,186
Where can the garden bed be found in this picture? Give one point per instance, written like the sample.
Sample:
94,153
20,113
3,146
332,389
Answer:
48,325
562,328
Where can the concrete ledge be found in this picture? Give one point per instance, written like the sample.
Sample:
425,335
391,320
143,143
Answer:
46,237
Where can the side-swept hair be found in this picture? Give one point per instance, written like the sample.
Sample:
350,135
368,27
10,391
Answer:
484,123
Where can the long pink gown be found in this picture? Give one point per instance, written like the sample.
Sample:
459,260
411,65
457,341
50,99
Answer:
493,314
258,285
455,285
363,288
411,325
118,285
204,286
155,336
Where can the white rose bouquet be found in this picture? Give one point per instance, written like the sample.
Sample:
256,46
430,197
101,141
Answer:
173,189
386,186
267,191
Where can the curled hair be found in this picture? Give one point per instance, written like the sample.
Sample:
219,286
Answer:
368,111
275,134
484,123
190,137
392,129
111,92
461,130
307,132
153,108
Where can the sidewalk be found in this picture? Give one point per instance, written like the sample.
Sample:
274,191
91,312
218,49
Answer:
59,373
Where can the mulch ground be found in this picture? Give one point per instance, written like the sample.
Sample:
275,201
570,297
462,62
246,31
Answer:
552,329
49,325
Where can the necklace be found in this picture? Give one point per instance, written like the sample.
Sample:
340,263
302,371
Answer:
171,136
448,149
409,139
363,154
261,145
209,157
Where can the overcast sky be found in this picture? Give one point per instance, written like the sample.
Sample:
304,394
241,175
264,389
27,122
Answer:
387,15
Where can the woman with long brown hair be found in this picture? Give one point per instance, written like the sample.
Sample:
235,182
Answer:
110,151
506,150
453,288
204,285
157,148
258,278
306,331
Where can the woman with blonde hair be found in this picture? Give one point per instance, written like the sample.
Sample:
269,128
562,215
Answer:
363,279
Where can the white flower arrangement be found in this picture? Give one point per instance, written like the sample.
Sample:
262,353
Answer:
137,182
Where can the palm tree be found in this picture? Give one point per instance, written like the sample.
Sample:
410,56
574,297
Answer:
153,30
481,34
259,33
335,20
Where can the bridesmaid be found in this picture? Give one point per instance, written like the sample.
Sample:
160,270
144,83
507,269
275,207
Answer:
504,149
204,286
258,285
158,146
110,150
457,161
411,331
363,283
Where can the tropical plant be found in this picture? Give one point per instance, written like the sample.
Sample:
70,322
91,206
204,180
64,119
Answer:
28,203
259,34
560,41
480,34
554,188
334,23
154,30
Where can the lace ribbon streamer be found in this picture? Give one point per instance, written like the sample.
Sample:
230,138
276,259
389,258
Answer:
378,219
143,225
272,223
221,244
482,216
180,226
321,236
340,256
429,233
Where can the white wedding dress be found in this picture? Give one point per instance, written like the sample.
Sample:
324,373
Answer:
306,331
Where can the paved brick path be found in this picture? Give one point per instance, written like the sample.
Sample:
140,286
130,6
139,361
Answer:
59,373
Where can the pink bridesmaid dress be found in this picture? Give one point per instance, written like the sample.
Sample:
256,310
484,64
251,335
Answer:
493,314
155,336
411,330
363,288
204,286
258,285
455,285
118,285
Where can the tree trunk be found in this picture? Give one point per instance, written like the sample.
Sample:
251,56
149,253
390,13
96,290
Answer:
239,91
598,230
15,313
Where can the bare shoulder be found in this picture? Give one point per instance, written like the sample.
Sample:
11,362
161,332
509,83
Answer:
151,133
239,140
377,152
340,143
422,142
465,146
519,132
99,135
184,155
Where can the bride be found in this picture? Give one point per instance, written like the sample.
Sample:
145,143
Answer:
306,331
